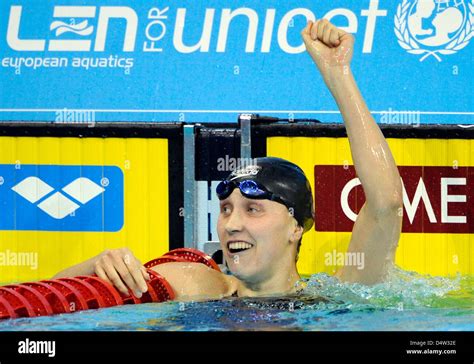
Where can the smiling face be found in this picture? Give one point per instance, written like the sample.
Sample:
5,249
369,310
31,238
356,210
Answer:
258,237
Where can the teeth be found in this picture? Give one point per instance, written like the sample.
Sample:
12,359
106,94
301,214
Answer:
240,245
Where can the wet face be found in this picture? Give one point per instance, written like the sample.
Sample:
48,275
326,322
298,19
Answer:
257,236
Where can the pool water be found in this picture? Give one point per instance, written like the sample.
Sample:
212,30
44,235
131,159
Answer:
407,301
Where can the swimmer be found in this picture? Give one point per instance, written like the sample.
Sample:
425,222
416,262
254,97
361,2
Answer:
265,208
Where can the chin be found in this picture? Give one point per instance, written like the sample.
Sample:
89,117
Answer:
243,277
244,273
238,270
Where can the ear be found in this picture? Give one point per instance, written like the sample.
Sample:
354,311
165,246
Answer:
296,232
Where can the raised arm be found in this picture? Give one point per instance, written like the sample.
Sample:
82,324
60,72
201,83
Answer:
377,228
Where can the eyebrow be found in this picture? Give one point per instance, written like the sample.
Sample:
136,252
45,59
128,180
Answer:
246,201
256,202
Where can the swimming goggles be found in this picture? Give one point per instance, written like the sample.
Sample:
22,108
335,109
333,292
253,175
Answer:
249,189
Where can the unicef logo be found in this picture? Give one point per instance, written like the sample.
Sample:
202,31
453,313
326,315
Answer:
434,27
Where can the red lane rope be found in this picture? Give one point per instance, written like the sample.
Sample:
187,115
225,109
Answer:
65,295
75,300
55,298
6,310
19,303
39,304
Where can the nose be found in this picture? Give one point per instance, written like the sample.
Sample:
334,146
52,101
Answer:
233,222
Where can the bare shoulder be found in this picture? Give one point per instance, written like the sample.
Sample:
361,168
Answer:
196,281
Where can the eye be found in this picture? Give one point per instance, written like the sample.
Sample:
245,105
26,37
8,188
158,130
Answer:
253,209
225,209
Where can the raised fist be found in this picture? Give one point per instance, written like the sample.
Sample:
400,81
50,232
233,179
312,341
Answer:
327,45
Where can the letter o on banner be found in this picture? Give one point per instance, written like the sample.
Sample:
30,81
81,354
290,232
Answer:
344,198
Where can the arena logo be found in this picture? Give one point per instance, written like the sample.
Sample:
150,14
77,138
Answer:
47,197
57,205
434,27
435,199
156,28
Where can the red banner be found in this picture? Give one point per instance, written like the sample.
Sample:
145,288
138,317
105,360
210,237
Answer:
435,199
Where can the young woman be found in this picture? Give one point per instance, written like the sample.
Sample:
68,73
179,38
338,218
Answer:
266,208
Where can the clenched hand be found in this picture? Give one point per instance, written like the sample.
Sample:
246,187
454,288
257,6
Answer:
328,45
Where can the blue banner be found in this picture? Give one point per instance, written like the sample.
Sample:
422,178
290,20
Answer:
61,197
124,60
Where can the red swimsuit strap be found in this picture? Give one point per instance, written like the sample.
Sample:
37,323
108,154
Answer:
184,255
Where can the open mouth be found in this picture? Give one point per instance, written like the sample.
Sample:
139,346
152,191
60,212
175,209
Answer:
238,246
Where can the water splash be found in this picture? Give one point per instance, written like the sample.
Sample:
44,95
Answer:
401,290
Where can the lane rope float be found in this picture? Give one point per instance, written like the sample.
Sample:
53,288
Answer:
71,294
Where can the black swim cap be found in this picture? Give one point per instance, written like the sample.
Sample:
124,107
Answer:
284,179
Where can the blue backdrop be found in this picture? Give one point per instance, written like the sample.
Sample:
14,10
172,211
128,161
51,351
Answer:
207,61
